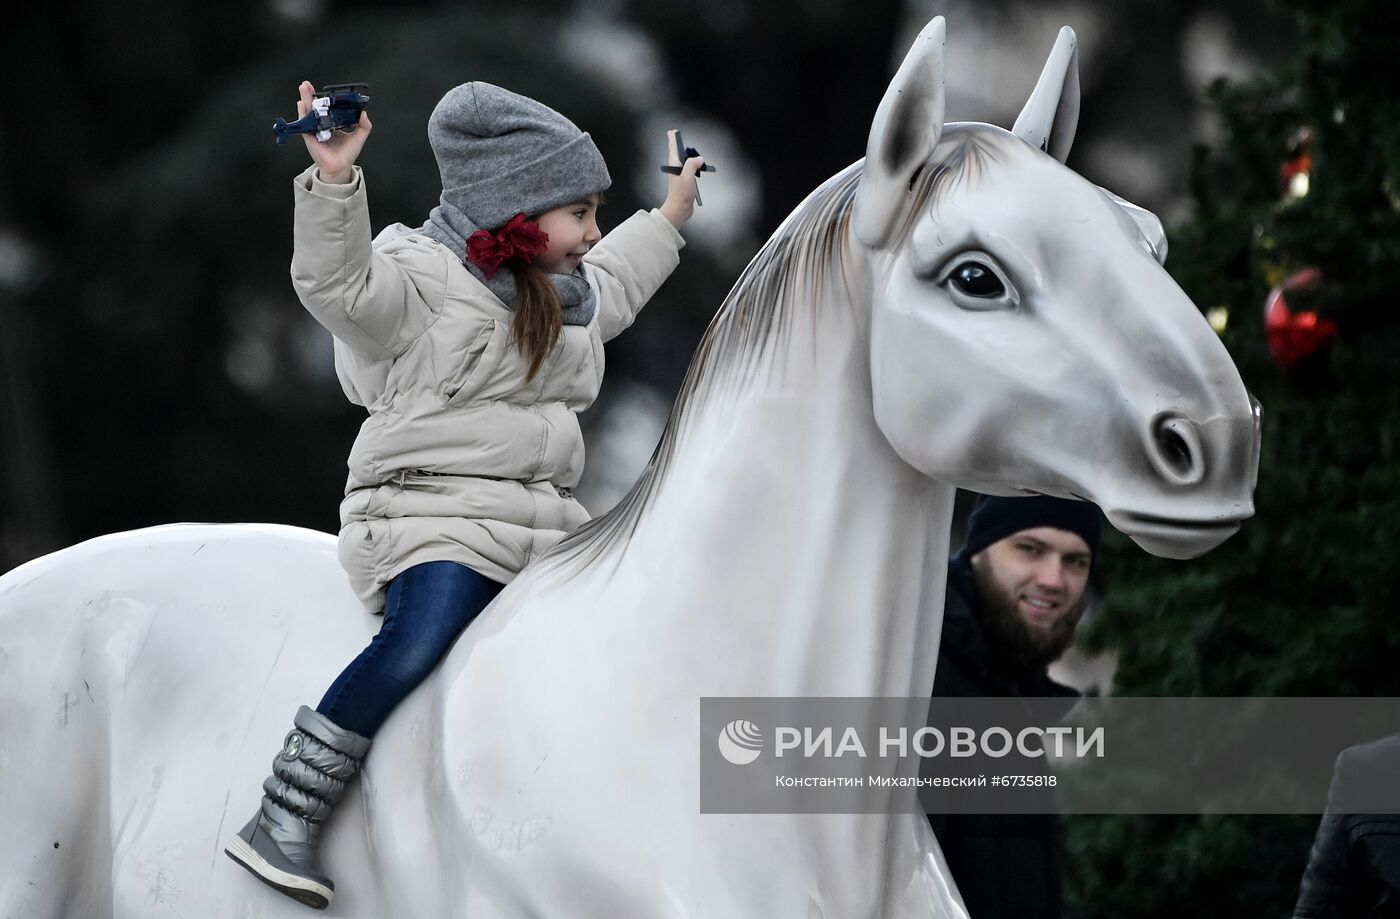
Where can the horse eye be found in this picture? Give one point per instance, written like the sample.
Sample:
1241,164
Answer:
977,280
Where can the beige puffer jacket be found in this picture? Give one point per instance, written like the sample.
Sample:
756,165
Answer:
460,459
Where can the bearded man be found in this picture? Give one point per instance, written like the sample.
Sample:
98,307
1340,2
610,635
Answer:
1016,592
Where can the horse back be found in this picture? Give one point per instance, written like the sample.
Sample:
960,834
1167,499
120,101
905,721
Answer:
146,682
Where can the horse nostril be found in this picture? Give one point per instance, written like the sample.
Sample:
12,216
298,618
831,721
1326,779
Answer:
1176,450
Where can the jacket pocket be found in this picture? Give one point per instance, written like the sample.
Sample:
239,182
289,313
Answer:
483,357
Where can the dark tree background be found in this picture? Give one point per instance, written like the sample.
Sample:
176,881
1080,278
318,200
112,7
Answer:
1303,601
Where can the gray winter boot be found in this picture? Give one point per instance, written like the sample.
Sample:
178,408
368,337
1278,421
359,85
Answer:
308,778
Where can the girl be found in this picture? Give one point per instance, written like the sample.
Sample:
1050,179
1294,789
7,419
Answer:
473,341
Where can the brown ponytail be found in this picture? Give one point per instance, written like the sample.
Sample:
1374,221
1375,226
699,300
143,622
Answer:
538,315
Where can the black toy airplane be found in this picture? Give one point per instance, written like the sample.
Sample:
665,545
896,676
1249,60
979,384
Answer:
675,168
335,108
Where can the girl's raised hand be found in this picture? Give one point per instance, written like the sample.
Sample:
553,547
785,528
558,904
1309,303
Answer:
335,157
679,205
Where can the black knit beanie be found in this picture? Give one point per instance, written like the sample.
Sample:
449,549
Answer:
993,519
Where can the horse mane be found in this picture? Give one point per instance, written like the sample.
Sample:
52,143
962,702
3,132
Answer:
755,321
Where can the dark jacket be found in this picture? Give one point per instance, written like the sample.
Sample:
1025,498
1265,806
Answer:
1005,865
1354,869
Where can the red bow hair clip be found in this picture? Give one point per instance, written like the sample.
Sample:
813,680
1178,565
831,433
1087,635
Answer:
519,239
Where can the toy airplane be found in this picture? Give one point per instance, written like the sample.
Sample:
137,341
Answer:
678,161
335,108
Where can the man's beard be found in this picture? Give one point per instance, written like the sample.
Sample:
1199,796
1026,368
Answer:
1023,646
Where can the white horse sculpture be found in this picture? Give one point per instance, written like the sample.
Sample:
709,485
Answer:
959,309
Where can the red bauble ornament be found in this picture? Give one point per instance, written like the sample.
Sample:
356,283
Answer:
1293,336
1299,162
1291,167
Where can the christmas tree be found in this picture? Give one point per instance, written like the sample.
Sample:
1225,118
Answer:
1293,252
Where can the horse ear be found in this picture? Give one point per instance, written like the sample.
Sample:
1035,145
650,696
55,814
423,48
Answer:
1052,112
906,128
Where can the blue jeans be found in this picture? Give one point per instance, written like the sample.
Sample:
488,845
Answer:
426,608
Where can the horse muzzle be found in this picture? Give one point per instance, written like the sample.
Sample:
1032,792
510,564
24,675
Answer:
1202,475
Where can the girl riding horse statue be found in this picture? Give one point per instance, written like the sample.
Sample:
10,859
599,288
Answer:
959,309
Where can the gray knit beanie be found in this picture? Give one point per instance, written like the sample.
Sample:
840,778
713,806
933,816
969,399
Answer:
500,153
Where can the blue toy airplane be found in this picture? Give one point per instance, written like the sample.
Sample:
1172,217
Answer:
335,108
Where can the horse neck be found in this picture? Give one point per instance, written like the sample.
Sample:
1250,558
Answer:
787,525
